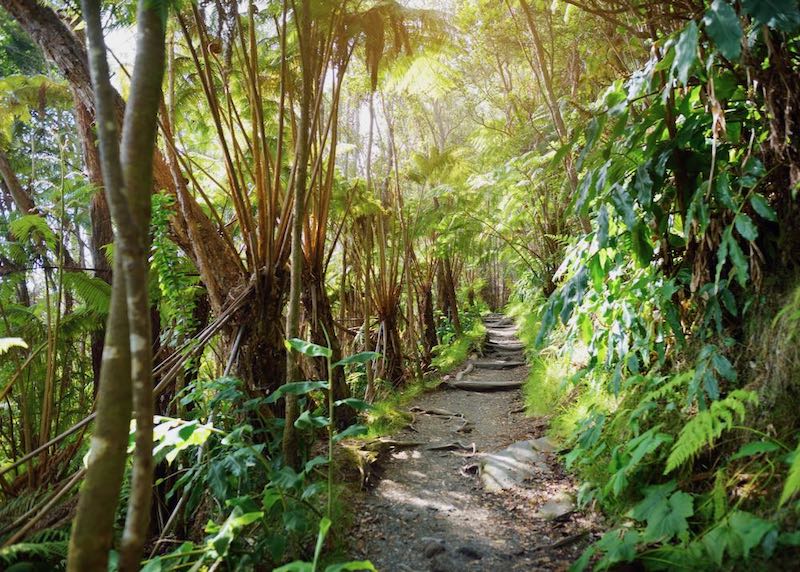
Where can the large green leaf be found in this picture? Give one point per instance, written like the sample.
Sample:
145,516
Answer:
309,421
763,208
685,53
780,14
362,357
307,348
722,24
746,227
665,512
641,244
296,388
352,431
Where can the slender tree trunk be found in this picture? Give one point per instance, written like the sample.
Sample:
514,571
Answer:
429,324
127,175
303,20
93,527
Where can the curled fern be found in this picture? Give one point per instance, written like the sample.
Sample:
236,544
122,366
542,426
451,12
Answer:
707,426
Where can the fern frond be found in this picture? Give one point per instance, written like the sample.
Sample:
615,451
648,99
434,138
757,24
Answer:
707,426
33,227
93,292
51,552
792,484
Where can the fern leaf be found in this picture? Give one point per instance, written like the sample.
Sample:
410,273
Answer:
792,484
94,292
32,227
50,551
707,426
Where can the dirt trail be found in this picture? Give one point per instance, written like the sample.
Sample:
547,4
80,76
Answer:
431,511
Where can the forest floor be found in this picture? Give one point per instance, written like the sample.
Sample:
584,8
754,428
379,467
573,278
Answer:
431,509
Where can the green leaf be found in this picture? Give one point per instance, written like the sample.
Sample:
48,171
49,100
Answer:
780,14
364,565
317,461
723,366
792,484
296,388
362,357
685,53
324,527
722,25
737,535
602,227
307,348
355,403
296,566
722,256
665,512
763,208
755,448
8,343
308,421
352,431
746,227
33,227
619,546
641,244
624,205
738,259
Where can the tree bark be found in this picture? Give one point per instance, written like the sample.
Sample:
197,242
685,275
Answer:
127,177
318,308
302,145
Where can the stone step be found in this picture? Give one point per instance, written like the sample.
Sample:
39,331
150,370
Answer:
498,364
487,385
504,345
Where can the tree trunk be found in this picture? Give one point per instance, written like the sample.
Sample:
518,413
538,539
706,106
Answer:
447,293
318,308
127,175
429,324
392,370
102,232
302,144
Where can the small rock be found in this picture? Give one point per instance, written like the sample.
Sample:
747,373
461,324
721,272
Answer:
469,552
445,563
433,547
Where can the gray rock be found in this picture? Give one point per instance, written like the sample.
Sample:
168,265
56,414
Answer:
545,445
433,547
445,563
469,552
511,466
556,507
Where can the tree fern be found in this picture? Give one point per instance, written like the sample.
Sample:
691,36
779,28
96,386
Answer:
93,292
38,551
48,546
707,426
32,227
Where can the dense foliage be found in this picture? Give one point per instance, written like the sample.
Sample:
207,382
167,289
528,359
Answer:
340,189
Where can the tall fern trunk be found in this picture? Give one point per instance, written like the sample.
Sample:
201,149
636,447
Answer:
429,338
261,363
318,309
447,293
302,144
392,363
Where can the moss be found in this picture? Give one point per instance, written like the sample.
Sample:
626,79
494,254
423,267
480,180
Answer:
451,356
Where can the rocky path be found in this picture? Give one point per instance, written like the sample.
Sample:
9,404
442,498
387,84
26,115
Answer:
484,491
